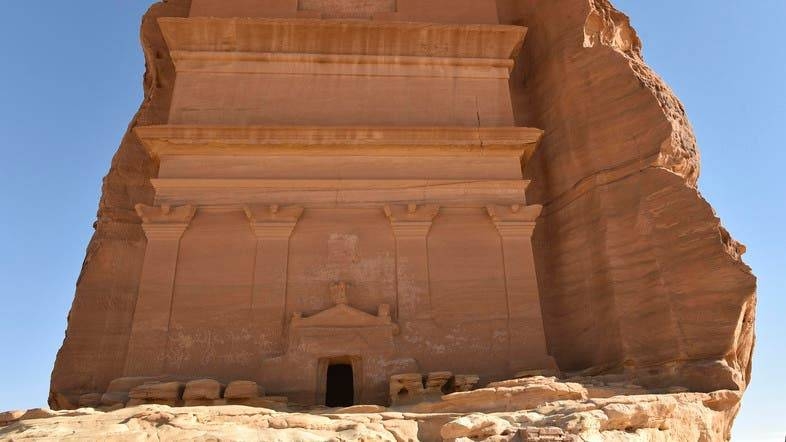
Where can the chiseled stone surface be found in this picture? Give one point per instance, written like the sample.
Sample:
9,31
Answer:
345,203
604,281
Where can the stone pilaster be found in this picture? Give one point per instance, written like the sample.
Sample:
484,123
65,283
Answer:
411,225
273,226
515,225
147,347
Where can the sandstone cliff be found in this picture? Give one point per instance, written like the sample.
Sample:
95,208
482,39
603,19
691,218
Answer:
636,273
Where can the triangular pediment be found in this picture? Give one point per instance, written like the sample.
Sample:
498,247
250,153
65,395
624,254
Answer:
341,316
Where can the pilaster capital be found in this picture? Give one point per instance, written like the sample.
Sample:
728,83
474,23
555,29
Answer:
273,221
411,220
165,222
514,221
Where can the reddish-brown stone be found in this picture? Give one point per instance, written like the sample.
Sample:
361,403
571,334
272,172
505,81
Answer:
382,154
637,272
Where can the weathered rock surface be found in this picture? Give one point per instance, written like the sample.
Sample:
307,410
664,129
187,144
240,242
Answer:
627,252
668,417
475,426
202,389
531,409
517,394
168,393
628,249
242,390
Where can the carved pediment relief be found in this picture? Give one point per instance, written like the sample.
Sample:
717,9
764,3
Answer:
342,315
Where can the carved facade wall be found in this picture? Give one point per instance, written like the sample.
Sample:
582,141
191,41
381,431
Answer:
218,328
416,204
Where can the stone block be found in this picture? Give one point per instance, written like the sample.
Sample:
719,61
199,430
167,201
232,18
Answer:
243,390
157,391
465,382
436,382
202,389
406,388
126,384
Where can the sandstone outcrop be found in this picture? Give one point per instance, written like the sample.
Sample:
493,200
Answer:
638,296
628,250
475,426
518,394
577,416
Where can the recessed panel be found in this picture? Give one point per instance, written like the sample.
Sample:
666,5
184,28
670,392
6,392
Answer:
351,245
339,100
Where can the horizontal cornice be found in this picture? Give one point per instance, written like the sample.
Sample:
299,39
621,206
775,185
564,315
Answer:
333,193
212,62
341,37
356,141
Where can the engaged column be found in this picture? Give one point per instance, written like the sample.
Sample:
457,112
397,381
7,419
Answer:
515,225
273,226
147,347
411,224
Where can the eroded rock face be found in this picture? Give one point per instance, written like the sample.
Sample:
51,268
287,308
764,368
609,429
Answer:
108,284
627,251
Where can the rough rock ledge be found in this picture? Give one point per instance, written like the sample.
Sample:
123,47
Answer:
555,411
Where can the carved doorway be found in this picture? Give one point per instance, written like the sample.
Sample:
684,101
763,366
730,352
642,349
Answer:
340,381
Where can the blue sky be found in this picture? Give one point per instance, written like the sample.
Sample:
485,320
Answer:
71,81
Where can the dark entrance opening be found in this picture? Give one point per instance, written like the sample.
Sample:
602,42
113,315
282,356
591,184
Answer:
340,391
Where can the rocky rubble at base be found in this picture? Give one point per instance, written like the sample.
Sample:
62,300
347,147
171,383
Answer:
130,392
530,409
